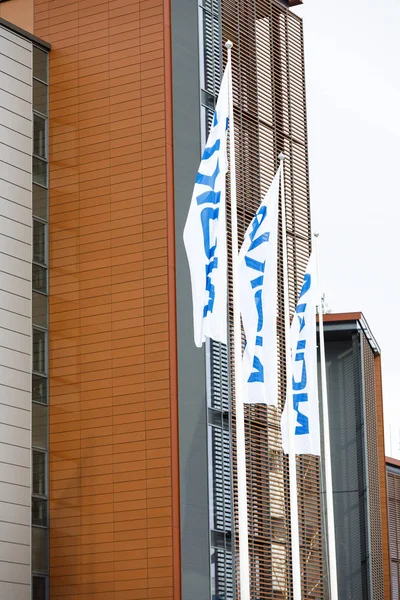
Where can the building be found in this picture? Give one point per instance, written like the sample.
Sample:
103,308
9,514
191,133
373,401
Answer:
358,457
116,432
393,490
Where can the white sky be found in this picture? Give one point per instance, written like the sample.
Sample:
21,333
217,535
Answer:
353,95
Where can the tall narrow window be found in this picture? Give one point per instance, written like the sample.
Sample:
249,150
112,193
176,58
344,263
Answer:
40,176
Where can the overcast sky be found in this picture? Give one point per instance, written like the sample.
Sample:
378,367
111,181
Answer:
353,95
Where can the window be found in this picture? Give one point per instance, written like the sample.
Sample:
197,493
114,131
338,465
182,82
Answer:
39,425
39,389
40,517
39,241
40,59
39,350
40,550
39,136
39,97
39,486
39,171
39,278
39,587
39,309
39,512
39,199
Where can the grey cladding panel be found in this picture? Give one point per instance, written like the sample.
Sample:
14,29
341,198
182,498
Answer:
16,591
191,361
15,314
16,212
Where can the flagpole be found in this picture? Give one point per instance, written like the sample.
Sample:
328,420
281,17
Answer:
333,587
294,513
244,579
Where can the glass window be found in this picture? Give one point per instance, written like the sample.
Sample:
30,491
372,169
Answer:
39,512
39,425
39,588
39,549
39,202
39,171
39,242
39,473
39,136
40,97
39,309
39,350
39,389
39,279
40,64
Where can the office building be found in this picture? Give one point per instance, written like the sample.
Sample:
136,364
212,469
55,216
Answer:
358,457
118,474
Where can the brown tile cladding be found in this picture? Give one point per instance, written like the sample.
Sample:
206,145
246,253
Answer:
114,489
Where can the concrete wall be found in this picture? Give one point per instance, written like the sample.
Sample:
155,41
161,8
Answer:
15,314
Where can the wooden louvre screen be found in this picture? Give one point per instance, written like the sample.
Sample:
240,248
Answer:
270,117
269,97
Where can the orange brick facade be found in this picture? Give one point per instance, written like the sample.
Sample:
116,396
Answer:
114,493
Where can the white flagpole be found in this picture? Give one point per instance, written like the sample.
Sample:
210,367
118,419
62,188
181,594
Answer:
294,512
244,578
333,587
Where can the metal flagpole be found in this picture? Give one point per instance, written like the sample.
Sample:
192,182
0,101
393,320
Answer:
327,447
244,579
294,513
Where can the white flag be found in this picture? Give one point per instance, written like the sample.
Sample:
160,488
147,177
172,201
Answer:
205,230
302,397
258,301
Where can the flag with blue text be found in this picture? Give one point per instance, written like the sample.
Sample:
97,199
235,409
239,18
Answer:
302,395
257,272
205,230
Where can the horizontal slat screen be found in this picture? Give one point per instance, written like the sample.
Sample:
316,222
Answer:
269,98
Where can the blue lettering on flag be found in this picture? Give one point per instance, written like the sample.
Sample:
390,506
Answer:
208,214
258,299
302,427
209,197
306,285
300,385
208,152
258,373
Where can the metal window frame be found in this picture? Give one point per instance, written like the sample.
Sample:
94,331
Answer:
44,576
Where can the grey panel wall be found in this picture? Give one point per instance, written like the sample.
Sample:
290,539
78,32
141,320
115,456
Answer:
15,314
191,361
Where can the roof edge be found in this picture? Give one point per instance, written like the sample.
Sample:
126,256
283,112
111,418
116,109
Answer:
394,462
361,321
25,34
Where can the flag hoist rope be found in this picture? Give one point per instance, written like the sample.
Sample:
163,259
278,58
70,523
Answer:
244,578
294,514
333,588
